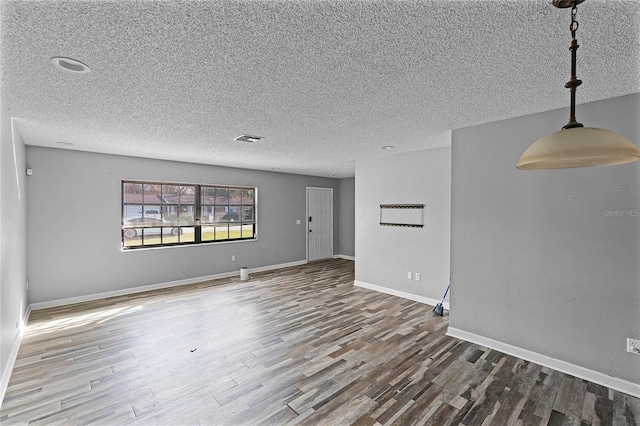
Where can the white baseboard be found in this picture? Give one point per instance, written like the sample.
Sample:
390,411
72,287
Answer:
272,267
615,383
404,295
133,290
344,256
6,373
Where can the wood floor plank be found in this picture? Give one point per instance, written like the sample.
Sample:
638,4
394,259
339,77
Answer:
626,410
298,345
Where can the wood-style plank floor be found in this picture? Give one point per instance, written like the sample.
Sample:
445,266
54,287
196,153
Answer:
294,346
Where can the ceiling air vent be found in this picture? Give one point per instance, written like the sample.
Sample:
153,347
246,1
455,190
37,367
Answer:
69,64
249,138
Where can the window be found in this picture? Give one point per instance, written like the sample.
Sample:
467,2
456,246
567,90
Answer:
227,213
159,214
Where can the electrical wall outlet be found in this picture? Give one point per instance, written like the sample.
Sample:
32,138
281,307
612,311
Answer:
417,276
409,276
233,257
633,346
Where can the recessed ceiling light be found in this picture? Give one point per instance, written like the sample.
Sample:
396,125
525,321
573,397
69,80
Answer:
386,147
65,143
248,138
70,65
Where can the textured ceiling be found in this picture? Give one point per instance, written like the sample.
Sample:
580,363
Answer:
326,82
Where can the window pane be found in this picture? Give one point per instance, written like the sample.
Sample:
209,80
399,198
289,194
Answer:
187,194
170,212
222,196
208,233
235,196
221,232
171,235
151,211
207,214
187,235
220,214
132,237
178,214
133,243
187,215
151,236
247,231
131,211
234,214
247,196
152,193
247,214
235,232
170,194
207,195
132,193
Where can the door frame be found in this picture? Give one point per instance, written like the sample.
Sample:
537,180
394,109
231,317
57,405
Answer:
306,218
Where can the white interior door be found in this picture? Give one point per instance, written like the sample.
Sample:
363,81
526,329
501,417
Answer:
319,223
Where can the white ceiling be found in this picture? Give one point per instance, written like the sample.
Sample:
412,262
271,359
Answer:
327,82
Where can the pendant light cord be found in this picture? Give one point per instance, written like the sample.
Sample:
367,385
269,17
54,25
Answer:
573,83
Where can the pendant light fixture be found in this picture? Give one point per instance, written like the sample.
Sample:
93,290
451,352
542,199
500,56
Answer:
576,145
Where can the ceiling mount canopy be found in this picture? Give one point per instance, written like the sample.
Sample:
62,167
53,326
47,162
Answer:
576,145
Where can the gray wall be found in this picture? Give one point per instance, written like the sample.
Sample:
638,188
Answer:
385,254
539,259
74,220
347,217
13,266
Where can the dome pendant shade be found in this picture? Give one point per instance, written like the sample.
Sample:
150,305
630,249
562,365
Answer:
578,147
575,145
